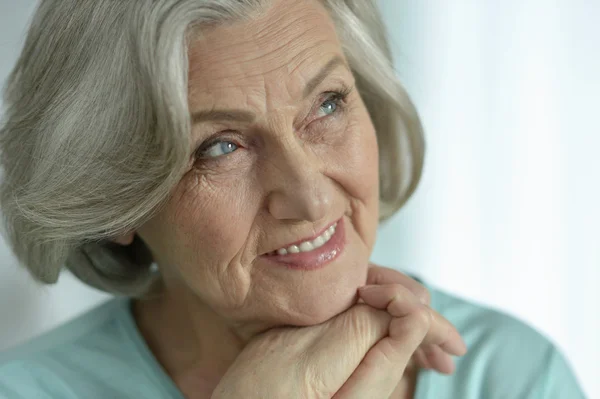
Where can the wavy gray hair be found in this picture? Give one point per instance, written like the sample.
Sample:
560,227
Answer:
96,130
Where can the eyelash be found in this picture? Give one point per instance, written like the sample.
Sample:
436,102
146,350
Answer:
337,96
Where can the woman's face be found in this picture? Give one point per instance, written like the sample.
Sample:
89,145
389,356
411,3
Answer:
284,149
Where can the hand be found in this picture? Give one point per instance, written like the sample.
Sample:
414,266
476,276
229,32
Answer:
413,325
426,356
361,352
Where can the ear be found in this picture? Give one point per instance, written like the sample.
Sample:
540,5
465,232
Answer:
124,239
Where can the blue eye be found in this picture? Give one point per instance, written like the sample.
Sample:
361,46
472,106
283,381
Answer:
329,106
218,149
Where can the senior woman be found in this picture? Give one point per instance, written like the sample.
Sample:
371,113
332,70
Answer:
221,167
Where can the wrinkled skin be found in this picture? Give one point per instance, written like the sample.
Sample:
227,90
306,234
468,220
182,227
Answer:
283,162
296,169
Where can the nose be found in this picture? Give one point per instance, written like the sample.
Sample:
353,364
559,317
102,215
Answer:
297,189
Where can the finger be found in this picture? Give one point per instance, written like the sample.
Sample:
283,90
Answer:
378,275
383,366
421,359
398,301
438,359
441,332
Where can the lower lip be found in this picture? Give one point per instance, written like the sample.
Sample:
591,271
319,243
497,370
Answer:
317,258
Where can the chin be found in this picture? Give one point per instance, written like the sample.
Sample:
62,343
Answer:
323,303
310,297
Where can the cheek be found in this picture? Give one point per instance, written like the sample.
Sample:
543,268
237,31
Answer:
354,164
217,215
206,228
353,160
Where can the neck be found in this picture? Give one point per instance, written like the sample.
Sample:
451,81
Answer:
191,342
195,346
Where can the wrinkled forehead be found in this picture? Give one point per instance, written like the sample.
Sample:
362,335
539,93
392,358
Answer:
284,44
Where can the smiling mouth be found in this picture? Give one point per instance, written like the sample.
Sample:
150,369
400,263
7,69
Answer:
307,245
313,253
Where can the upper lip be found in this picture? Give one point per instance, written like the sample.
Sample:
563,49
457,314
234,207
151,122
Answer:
321,231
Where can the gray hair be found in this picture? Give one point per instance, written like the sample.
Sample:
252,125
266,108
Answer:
96,130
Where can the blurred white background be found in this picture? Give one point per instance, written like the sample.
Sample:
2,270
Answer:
507,210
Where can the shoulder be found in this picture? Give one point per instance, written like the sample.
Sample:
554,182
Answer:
485,326
54,364
506,357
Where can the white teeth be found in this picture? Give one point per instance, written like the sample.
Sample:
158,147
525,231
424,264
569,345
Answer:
308,246
319,241
293,249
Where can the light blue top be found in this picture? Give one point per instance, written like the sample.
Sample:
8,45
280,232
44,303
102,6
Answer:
102,355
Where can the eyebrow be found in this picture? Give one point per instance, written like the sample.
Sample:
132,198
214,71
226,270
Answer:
319,77
238,115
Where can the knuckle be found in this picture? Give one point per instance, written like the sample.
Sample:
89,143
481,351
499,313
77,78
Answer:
414,326
422,317
383,357
403,302
424,295
396,299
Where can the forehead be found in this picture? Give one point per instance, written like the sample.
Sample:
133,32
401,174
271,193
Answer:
284,45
